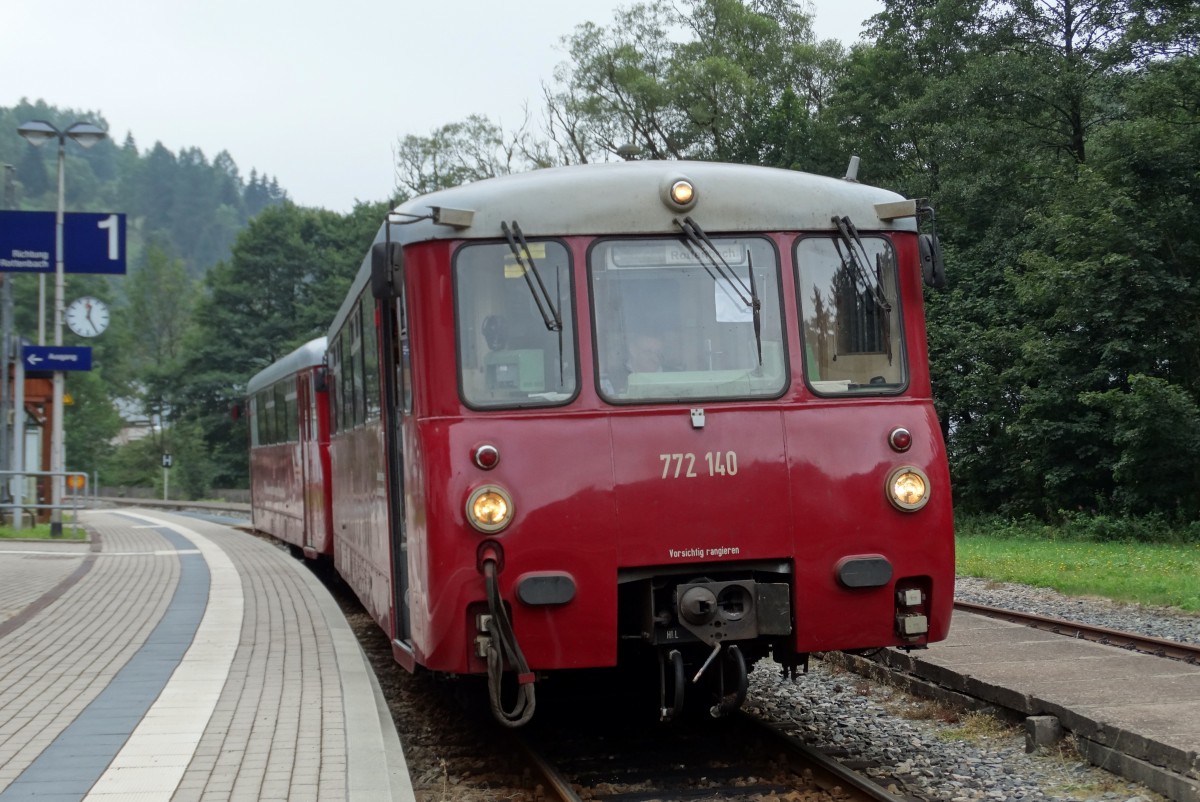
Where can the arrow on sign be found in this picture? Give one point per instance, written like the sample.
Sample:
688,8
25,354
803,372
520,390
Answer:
57,357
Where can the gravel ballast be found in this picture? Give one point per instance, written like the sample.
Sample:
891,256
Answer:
934,753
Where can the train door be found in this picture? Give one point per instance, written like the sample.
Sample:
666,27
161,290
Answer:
392,325
305,435
313,474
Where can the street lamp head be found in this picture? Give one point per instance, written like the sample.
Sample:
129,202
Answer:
86,134
38,132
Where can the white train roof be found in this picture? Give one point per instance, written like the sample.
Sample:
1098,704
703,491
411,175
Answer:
627,198
311,354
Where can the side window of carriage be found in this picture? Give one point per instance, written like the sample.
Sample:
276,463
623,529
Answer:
370,359
852,327
404,361
333,358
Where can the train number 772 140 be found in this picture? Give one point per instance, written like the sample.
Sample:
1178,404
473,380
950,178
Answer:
683,466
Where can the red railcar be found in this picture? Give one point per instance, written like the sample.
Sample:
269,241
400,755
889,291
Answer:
289,450
668,412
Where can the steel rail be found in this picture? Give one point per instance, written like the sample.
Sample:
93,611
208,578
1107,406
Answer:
827,772
1187,652
554,779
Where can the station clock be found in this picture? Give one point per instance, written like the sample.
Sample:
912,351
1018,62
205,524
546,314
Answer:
87,316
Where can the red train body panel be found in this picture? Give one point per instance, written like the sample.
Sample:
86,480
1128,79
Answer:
578,421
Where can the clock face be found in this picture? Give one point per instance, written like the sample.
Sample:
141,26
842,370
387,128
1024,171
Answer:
87,316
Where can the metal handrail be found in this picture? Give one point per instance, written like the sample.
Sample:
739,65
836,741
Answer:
16,492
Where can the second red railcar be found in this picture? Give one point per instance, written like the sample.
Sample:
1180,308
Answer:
290,489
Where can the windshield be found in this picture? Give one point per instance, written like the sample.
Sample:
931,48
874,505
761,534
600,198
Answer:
507,355
851,334
669,326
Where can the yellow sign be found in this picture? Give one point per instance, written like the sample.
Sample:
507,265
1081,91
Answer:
77,481
68,399
514,270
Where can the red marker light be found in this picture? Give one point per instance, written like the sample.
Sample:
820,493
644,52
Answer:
900,439
486,457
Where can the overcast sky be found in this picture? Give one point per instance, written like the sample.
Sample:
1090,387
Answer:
315,94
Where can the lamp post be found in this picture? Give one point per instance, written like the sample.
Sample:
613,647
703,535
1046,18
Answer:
39,132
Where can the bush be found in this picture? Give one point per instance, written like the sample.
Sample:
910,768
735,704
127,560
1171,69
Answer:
1082,527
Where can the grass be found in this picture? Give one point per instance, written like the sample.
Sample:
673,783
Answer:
1164,574
974,727
42,532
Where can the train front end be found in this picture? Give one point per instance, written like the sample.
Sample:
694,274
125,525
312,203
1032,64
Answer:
699,437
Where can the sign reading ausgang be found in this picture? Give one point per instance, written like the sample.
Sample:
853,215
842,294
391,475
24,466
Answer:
56,357
92,242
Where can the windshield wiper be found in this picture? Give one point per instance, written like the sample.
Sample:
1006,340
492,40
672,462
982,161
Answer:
545,303
858,268
871,282
700,245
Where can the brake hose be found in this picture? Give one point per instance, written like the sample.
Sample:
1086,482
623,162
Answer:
503,646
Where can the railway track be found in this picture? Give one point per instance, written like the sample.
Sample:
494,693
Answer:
748,759
741,758
1187,652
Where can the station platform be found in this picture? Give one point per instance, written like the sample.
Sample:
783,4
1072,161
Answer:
1133,714
171,658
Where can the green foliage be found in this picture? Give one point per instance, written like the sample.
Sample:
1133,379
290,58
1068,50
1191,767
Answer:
458,153
134,464
1155,429
89,424
1152,528
193,468
288,275
714,79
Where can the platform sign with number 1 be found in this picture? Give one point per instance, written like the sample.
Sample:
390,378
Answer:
92,242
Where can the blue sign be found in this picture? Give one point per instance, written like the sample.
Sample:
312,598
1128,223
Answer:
92,243
27,242
56,357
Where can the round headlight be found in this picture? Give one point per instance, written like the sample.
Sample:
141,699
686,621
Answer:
682,192
678,193
908,488
489,509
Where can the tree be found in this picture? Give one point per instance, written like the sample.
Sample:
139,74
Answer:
613,92
151,330
288,275
729,80
462,152
744,60
1066,59
89,423
1156,438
